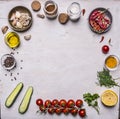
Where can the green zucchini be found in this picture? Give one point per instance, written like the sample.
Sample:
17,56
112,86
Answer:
13,95
26,100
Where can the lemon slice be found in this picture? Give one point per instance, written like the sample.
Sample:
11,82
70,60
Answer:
109,98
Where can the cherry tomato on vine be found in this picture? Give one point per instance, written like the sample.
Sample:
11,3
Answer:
55,102
82,112
74,111
42,108
58,111
66,111
48,103
105,49
79,103
51,110
39,102
63,103
70,103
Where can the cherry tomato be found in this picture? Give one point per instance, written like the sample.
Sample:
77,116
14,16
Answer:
51,110
74,111
66,111
48,103
105,49
39,102
82,112
70,103
63,103
79,103
42,108
58,111
55,102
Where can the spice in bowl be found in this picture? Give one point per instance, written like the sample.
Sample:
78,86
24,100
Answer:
111,62
12,40
8,62
74,11
51,9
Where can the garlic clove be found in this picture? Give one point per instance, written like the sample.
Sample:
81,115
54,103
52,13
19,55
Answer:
14,22
12,17
17,14
41,16
27,37
19,25
4,29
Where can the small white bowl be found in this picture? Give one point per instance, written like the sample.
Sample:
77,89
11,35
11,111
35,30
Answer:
9,65
109,62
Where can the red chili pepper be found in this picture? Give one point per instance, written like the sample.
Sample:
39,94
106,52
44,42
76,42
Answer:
102,39
83,11
110,42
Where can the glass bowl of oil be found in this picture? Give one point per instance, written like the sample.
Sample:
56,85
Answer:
112,62
12,40
8,62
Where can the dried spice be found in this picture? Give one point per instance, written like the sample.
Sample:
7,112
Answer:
9,62
17,73
11,79
11,74
36,5
63,18
15,78
21,68
102,38
21,60
110,42
12,53
83,12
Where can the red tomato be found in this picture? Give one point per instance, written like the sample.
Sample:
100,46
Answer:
82,112
74,111
105,49
66,111
39,102
55,102
51,110
58,111
42,108
63,103
47,103
70,103
79,103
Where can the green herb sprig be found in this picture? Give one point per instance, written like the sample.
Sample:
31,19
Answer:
91,100
105,79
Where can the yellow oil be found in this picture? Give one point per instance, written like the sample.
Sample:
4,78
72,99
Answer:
111,62
12,40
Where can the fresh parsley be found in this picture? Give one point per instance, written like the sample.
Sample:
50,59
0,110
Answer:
105,79
91,100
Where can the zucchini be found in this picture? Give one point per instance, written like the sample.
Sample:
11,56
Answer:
26,100
13,95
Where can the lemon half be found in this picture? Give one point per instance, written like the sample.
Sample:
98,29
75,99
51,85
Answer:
109,98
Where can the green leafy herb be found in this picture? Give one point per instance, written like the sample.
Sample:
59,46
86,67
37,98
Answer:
92,100
105,79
